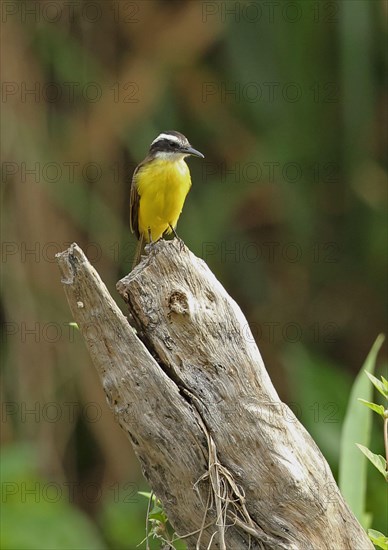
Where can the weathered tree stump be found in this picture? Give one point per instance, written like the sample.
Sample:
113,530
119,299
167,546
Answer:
230,462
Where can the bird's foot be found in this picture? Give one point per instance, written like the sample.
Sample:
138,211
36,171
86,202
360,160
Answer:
181,244
149,247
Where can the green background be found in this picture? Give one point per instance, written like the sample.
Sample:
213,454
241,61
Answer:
287,101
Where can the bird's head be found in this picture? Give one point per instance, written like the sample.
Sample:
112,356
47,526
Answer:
172,145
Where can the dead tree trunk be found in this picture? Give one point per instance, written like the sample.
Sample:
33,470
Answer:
230,462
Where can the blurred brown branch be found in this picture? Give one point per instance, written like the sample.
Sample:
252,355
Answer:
230,462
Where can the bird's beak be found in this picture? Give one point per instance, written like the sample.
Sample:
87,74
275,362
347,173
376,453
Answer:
194,152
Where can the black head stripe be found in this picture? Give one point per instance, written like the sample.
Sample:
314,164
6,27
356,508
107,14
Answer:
169,141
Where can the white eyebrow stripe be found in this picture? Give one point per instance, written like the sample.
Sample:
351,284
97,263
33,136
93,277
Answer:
166,136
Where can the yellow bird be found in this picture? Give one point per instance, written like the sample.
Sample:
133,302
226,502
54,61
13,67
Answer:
160,184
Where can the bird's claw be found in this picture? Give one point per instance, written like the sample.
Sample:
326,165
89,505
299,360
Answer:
181,244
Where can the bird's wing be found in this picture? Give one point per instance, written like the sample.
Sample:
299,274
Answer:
134,203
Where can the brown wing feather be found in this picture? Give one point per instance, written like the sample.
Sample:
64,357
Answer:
134,201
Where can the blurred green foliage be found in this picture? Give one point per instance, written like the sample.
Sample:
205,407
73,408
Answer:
288,103
36,515
357,429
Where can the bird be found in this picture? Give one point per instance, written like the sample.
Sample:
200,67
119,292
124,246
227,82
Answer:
159,187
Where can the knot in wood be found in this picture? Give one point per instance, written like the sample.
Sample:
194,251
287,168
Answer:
179,303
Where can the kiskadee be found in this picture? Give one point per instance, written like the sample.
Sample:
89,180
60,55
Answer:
160,184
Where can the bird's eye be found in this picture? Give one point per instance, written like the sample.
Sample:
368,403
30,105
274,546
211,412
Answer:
173,144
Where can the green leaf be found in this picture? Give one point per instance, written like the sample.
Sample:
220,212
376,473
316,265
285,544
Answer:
157,513
147,495
357,427
377,460
179,544
378,539
155,516
379,409
380,386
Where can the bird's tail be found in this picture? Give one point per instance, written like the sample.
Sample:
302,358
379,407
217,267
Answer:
139,251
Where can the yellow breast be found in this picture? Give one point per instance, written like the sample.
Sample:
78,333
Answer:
162,186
